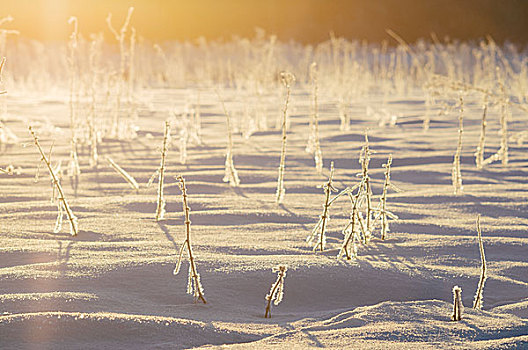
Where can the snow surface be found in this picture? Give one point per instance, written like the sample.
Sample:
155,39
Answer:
112,286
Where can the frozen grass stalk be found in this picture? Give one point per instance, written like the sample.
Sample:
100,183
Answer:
120,37
231,174
2,64
456,174
383,213
276,292
457,304
479,154
128,178
287,79
74,169
194,285
63,204
313,145
502,153
351,231
477,303
160,207
319,232
364,160
92,132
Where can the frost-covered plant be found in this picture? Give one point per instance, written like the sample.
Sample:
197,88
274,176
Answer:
479,153
194,285
120,37
313,146
318,236
184,135
456,174
477,303
5,32
93,60
131,66
231,174
458,307
364,160
196,133
344,115
160,207
287,80
352,231
74,169
2,64
502,153
276,292
73,67
126,176
62,203
382,211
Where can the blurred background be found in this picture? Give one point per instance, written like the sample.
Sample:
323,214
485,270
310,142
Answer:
306,21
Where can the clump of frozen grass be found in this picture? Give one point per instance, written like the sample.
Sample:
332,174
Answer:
231,174
458,307
126,176
477,303
276,292
313,146
456,174
194,285
160,207
62,203
318,236
287,80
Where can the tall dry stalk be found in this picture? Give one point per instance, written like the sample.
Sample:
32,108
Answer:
93,59
456,174
276,292
231,174
63,204
287,80
314,146
364,160
74,169
2,64
502,153
351,230
120,37
160,206
477,303
479,153
319,232
383,213
194,285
